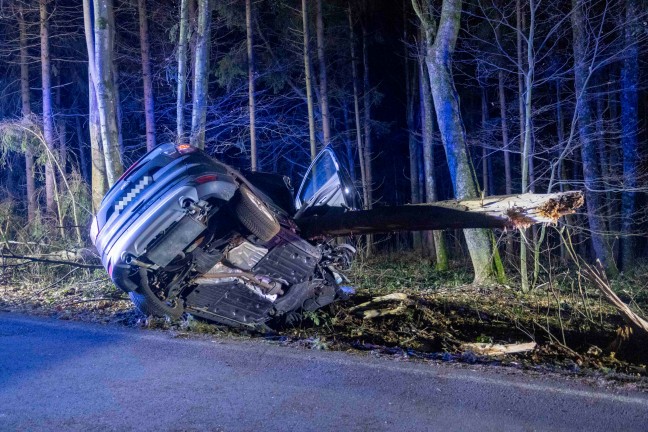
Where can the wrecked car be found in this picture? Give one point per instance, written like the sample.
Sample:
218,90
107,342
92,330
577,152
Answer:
183,233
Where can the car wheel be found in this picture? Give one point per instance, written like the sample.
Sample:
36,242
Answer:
148,303
255,215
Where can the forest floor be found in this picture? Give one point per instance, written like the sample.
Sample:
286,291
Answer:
428,314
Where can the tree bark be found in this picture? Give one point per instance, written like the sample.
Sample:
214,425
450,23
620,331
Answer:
201,75
427,122
356,108
446,103
97,158
586,132
48,122
26,112
366,101
629,128
309,85
149,108
182,71
324,101
251,79
102,74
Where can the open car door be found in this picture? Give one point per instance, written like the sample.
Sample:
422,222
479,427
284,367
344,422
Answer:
326,185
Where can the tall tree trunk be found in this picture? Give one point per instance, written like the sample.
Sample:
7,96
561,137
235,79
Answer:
104,28
446,103
99,176
411,88
61,125
201,75
366,101
427,123
629,128
48,123
26,112
149,109
484,162
508,183
309,85
182,70
586,132
356,108
251,90
324,102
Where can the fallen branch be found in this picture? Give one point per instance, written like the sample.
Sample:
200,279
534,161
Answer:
23,259
367,310
598,277
498,349
510,211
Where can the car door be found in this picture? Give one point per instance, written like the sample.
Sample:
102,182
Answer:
326,184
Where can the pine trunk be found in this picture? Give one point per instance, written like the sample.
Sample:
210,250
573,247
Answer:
149,109
182,71
48,122
629,128
308,82
586,132
251,89
324,102
201,75
26,112
104,28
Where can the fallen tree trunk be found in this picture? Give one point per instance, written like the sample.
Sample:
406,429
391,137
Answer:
509,211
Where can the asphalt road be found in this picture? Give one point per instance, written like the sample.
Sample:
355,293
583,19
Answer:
60,376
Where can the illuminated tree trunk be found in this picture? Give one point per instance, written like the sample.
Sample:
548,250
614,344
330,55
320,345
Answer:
102,74
309,85
446,102
324,102
629,128
182,70
366,102
586,132
149,109
251,87
201,75
427,123
48,123
26,112
356,108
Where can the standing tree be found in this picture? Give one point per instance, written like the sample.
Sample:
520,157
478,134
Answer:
324,99
583,59
99,22
183,38
440,44
149,108
251,79
201,75
48,122
309,85
26,112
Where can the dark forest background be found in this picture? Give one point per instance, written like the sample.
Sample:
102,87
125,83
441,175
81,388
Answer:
552,97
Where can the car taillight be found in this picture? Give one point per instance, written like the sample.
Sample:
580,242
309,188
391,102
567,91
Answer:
206,178
129,170
185,148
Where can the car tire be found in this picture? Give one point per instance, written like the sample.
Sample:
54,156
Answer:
255,215
149,304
